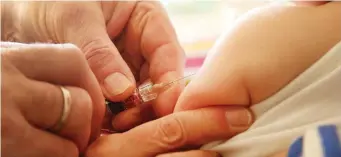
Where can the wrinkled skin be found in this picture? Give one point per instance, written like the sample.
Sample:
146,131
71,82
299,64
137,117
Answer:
133,40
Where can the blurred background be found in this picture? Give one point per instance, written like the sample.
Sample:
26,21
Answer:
199,23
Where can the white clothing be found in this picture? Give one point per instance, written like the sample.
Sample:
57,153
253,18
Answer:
312,99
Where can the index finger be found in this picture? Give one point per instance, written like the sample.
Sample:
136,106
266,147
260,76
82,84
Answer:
161,49
194,127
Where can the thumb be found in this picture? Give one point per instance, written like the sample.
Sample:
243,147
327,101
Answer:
116,79
114,75
215,84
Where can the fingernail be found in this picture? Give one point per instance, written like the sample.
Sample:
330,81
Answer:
239,118
116,84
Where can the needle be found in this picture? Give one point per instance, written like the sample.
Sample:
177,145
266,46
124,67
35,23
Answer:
171,82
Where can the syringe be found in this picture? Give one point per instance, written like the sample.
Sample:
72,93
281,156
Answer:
143,94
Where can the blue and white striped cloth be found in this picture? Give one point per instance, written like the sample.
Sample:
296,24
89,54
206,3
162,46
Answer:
324,141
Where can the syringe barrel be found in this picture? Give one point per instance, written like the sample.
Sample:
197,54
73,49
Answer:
146,93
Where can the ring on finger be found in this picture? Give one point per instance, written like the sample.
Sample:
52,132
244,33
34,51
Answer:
66,110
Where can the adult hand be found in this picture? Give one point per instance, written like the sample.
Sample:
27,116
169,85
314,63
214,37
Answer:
124,42
32,100
174,132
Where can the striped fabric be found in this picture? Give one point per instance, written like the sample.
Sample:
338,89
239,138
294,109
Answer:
323,141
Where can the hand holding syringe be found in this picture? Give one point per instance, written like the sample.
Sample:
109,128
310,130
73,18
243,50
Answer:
142,95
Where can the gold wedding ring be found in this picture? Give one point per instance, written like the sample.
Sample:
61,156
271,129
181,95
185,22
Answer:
66,110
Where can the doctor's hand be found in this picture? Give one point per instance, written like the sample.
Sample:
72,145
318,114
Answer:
177,135
125,43
33,104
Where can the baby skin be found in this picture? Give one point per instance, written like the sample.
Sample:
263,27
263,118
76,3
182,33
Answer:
264,51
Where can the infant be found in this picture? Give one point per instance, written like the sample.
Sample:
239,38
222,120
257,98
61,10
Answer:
285,63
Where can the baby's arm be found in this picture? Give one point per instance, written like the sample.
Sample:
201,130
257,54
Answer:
262,53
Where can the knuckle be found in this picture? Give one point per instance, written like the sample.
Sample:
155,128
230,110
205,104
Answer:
146,6
95,47
97,53
76,58
143,13
149,6
171,132
149,11
72,51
